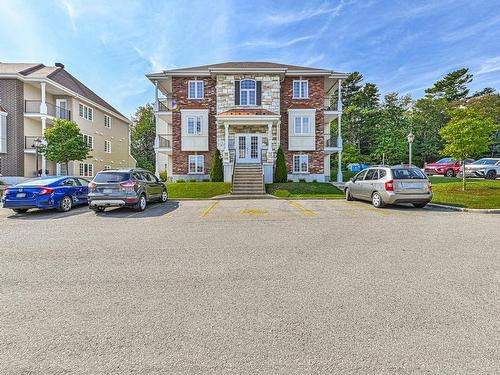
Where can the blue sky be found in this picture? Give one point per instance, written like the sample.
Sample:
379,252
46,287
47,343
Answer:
401,46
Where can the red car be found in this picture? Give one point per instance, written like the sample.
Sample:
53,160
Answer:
448,167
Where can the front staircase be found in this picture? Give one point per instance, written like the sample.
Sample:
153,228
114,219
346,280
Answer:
248,179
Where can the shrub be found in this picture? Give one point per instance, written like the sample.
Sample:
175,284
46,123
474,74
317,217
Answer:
206,180
281,193
302,180
163,175
180,180
315,181
216,170
281,173
193,180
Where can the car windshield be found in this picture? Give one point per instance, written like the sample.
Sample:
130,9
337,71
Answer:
445,161
408,174
112,177
40,181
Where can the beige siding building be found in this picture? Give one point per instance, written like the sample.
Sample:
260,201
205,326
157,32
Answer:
32,96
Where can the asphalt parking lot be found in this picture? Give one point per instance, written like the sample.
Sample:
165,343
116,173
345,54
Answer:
250,286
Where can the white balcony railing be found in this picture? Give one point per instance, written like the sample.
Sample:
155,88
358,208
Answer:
165,105
165,141
331,104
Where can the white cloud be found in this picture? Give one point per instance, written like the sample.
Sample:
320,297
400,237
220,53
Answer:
274,43
297,16
489,65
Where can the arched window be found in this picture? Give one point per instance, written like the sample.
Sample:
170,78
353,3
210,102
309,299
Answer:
248,92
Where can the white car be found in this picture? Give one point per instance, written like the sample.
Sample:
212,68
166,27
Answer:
488,168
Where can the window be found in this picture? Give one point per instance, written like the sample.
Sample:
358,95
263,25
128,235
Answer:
301,125
83,182
89,140
3,133
300,89
372,174
107,167
194,125
248,92
111,177
86,112
107,147
107,121
300,163
360,176
195,90
195,163
86,170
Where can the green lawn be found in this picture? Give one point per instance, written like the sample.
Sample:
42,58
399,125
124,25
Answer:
479,193
304,190
198,190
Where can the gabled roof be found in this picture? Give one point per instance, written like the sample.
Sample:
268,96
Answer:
58,75
245,66
300,106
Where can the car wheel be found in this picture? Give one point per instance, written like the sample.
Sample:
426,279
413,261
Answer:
450,173
141,203
420,205
348,196
377,200
164,196
20,210
66,204
491,175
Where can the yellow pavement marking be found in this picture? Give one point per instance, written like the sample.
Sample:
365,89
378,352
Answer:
254,212
306,211
207,210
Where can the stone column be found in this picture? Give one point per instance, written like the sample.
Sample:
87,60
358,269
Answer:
339,137
225,155
270,142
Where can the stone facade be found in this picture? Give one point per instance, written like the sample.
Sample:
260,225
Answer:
316,101
180,95
270,91
12,95
219,97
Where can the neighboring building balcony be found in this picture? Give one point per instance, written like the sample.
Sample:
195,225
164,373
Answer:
29,143
331,104
164,142
164,107
32,107
331,143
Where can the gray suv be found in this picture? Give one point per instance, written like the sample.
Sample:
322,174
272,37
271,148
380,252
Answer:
390,185
129,187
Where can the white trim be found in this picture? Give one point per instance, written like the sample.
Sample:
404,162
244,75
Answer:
86,112
248,92
91,138
107,146
109,121
89,172
196,97
196,164
197,122
300,81
248,147
300,163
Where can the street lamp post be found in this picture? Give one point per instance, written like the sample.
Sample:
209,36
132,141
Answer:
411,138
36,143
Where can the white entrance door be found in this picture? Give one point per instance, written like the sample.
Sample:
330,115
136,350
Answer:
61,108
248,148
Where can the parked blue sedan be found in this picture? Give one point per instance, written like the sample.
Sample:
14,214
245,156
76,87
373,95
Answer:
59,192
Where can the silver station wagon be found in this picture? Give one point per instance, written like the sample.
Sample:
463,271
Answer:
384,185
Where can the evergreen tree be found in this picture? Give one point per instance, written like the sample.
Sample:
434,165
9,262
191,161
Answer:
216,170
143,137
452,87
281,174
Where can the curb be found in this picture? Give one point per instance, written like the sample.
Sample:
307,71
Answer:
238,197
463,209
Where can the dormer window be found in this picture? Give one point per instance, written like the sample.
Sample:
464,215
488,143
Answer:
300,89
248,92
195,90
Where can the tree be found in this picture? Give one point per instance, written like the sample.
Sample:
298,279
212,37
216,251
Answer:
452,87
216,170
428,117
485,91
391,138
467,135
281,174
143,137
64,143
488,105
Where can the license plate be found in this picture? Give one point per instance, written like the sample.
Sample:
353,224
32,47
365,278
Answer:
107,191
412,185
21,195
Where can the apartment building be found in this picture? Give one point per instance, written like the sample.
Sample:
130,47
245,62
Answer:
31,97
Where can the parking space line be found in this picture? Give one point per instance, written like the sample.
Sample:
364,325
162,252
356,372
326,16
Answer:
207,210
306,210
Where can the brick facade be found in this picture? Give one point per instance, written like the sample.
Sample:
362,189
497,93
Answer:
315,100
180,95
12,95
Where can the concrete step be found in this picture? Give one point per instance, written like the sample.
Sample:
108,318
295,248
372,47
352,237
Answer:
248,192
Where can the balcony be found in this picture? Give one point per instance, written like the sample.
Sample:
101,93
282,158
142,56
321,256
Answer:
331,104
165,105
331,143
29,142
165,141
32,107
